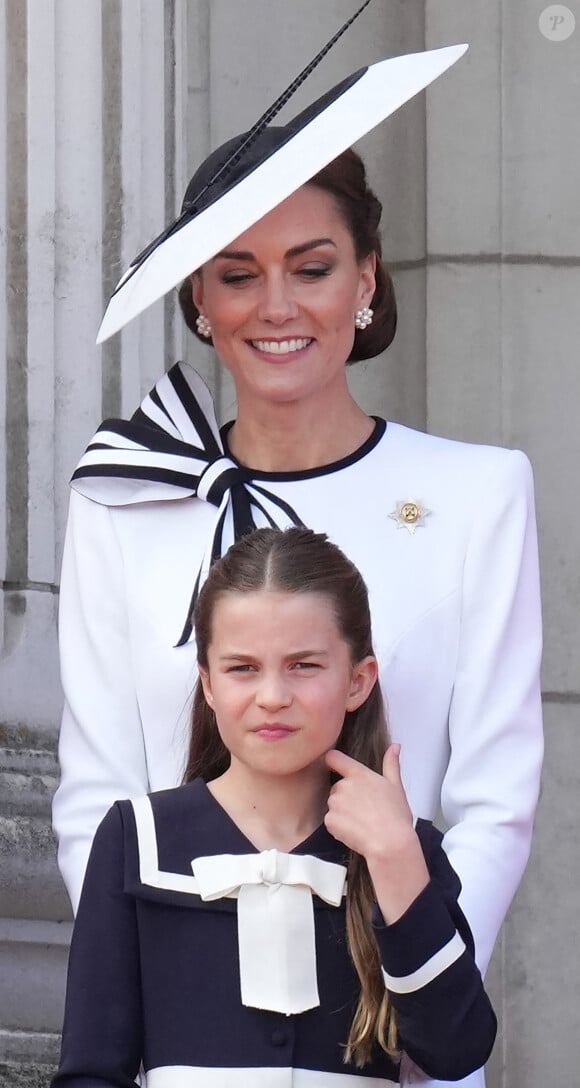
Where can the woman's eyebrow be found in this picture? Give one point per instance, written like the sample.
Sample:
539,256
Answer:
295,251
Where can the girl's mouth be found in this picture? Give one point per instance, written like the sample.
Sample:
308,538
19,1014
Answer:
274,731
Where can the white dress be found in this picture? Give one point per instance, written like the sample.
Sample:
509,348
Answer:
456,629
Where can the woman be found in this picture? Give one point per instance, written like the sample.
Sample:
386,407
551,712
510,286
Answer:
443,533
319,933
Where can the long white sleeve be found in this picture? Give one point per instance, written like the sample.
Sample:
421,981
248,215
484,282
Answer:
490,789
101,750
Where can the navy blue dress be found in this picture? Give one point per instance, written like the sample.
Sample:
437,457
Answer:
154,970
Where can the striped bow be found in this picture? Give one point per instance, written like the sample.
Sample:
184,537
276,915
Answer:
172,448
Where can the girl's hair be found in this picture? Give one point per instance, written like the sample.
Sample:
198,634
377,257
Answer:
301,561
345,180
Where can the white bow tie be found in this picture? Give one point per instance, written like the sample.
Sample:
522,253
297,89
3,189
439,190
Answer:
275,921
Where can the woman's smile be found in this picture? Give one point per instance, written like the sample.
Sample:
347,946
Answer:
282,349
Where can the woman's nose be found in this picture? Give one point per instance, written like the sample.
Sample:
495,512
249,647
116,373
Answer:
277,303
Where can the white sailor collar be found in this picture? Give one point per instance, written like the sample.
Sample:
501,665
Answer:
274,891
167,830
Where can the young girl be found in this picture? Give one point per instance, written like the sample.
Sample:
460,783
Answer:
278,920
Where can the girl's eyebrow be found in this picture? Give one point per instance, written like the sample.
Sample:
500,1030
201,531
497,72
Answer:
287,657
295,251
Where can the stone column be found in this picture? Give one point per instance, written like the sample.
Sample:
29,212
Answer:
503,329
92,100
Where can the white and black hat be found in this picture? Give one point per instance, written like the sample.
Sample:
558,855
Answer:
253,173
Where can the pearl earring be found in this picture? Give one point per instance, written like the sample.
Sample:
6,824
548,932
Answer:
363,317
203,325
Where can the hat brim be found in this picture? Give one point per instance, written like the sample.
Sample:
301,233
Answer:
379,92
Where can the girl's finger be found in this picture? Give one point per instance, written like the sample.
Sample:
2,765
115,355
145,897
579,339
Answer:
342,764
391,766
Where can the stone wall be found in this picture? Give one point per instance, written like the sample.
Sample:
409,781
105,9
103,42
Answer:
103,108
93,101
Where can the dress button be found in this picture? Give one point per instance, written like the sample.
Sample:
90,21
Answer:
279,1037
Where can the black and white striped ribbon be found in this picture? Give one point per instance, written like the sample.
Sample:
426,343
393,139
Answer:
172,448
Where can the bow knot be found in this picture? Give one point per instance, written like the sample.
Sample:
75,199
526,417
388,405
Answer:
218,478
276,940
270,869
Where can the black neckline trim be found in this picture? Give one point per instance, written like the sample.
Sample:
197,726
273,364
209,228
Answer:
309,473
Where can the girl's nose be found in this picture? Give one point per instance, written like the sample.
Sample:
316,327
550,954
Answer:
273,692
277,303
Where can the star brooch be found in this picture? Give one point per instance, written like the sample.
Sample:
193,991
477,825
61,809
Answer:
410,515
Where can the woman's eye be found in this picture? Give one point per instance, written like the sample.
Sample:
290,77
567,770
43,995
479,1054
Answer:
234,278
315,272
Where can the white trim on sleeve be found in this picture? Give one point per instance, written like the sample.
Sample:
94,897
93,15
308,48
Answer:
408,984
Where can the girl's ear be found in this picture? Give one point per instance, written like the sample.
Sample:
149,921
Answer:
363,679
206,685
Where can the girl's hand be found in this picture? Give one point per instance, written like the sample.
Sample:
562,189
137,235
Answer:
370,814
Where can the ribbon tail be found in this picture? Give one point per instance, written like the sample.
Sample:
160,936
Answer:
243,520
277,948
276,502
214,554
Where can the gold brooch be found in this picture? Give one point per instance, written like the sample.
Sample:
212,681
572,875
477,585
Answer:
410,515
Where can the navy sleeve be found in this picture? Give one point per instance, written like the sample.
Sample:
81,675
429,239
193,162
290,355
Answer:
102,1034
445,1020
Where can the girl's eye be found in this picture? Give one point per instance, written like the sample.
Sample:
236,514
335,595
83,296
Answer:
240,668
302,666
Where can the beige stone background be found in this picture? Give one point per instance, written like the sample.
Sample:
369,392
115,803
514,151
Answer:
105,108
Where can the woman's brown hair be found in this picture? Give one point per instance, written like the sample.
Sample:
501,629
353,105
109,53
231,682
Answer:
301,561
345,180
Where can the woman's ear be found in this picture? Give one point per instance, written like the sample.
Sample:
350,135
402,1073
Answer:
367,282
197,289
363,679
206,685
